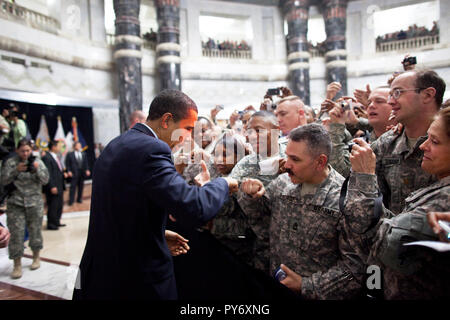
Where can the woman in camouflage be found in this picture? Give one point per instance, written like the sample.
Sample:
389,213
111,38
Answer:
409,272
24,205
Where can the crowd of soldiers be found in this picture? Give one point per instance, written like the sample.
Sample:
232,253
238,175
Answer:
327,196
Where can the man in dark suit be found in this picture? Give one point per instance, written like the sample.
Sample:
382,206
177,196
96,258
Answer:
54,189
135,186
77,169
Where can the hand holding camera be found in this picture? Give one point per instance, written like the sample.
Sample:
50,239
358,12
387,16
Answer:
22,166
362,157
29,165
409,63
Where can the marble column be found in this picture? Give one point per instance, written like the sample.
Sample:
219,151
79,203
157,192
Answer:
168,47
296,15
128,56
335,16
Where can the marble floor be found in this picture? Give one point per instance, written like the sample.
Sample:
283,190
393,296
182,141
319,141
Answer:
61,255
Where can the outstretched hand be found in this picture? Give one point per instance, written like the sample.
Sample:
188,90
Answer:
332,89
203,177
253,187
176,243
362,96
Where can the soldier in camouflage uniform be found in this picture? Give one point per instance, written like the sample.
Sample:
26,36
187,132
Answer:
378,112
262,132
306,228
398,155
409,272
230,225
25,205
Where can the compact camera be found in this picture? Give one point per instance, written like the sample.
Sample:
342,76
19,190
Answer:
273,92
409,61
30,161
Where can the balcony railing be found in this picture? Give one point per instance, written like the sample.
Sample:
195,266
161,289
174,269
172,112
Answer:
14,12
227,54
408,44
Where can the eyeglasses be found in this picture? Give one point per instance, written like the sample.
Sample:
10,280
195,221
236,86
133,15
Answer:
396,93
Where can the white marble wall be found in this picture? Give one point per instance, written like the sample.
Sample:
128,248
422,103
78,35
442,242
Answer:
234,83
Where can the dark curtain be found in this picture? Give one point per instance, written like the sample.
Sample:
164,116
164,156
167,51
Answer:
212,272
83,115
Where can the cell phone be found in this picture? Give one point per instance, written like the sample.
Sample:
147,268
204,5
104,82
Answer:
279,274
219,107
346,105
273,92
409,61
445,226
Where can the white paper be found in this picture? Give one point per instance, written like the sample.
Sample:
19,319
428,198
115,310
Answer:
436,245
269,166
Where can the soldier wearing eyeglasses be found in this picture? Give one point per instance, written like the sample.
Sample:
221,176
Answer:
415,97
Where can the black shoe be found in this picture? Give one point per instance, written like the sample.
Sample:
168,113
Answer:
52,228
80,201
61,225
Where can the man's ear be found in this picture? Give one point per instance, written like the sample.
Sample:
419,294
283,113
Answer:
321,162
428,94
166,117
301,112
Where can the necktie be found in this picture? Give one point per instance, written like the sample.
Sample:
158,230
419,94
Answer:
59,163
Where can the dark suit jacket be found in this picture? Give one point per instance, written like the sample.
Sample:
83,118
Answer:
135,186
72,164
56,176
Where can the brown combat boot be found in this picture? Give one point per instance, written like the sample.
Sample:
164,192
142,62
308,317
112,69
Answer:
36,260
17,271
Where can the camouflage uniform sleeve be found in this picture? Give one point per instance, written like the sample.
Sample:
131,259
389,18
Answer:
228,207
360,202
239,170
377,147
9,172
339,158
42,173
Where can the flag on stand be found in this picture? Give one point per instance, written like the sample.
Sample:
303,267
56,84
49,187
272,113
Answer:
77,135
59,136
42,137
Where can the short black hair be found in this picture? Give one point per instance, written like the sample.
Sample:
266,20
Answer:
316,138
173,101
429,78
25,142
52,143
230,142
